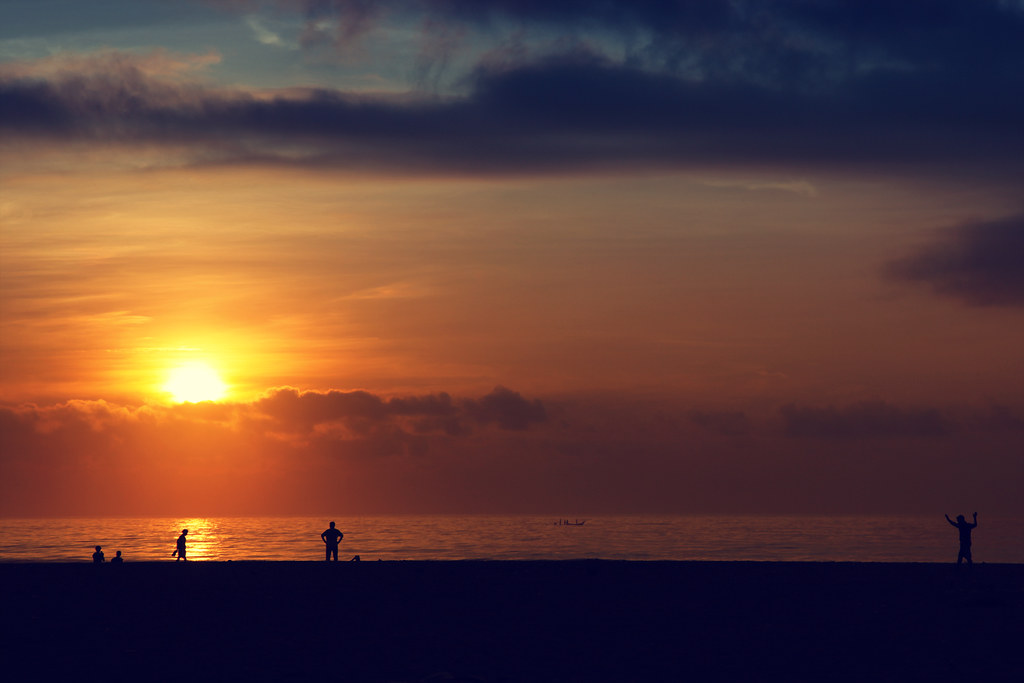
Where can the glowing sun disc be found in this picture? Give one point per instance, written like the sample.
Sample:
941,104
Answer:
194,382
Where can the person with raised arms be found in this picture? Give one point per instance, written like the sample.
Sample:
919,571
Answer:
964,527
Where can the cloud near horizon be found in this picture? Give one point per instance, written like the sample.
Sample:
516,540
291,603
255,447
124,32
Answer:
296,411
305,410
864,420
293,451
230,456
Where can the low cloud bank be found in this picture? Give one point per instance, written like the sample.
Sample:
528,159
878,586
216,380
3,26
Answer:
298,452
863,420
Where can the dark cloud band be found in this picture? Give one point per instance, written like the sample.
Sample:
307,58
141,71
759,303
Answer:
932,84
571,112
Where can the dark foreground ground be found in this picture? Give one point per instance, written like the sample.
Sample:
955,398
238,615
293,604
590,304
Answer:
512,621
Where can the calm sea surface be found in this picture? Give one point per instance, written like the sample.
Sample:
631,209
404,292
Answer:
692,537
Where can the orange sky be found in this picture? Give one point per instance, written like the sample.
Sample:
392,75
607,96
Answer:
647,314
550,315
668,283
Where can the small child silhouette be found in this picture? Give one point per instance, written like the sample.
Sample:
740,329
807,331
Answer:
97,556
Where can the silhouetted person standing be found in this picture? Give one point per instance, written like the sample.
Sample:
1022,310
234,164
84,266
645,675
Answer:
965,537
331,538
97,556
117,559
180,550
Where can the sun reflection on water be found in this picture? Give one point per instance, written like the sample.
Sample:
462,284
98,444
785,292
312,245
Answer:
203,540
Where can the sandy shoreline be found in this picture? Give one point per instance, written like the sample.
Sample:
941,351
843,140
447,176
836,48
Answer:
514,621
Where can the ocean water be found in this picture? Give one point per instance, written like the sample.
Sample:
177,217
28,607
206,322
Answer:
520,537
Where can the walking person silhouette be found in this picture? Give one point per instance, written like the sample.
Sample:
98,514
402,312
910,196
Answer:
331,537
180,550
965,537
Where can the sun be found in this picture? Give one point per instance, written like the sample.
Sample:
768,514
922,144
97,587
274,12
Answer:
193,382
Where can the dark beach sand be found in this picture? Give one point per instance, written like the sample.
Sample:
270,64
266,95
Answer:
513,621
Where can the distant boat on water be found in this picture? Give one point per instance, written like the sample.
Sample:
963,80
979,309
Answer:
565,522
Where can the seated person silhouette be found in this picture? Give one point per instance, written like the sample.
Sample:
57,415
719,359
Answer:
180,550
331,537
117,559
97,556
965,537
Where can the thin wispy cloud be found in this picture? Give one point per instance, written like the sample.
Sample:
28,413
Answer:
266,36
